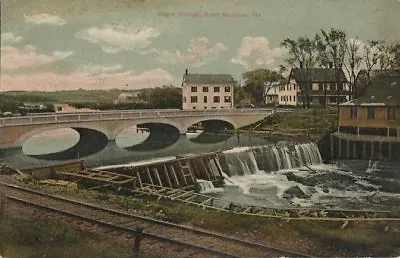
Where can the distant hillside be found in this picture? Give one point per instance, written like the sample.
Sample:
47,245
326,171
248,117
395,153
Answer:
73,96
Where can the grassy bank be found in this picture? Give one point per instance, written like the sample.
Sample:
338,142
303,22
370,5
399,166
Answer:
310,124
22,236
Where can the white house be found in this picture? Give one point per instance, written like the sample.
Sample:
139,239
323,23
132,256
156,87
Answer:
207,91
272,93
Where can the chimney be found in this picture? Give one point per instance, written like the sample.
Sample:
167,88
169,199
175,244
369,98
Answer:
186,71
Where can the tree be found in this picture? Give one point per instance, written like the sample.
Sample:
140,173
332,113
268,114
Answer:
257,83
304,53
385,55
371,58
332,46
352,63
395,50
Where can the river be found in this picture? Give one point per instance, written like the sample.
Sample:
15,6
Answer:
258,171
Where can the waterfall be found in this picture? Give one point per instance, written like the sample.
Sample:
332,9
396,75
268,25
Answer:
261,159
241,161
207,186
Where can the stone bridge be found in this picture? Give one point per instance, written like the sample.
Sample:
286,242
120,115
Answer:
106,125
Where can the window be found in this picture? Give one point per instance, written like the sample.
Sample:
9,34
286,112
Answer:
294,98
327,86
227,89
216,89
332,99
371,112
194,89
391,113
320,86
205,99
59,108
290,98
184,99
340,86
227,99
216,99
353,112
205,89
193,99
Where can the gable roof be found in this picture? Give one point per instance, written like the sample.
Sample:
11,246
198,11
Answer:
317,75
208,78
384,90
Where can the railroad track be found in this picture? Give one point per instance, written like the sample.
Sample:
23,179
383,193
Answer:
201,243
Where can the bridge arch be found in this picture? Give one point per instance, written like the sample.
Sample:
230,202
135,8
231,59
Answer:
91,140
130,123
49,127
196,120
163,133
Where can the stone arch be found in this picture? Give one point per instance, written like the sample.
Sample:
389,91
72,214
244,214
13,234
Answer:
202,119
48,127
130,123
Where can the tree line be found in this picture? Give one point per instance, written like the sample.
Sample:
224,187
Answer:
331,48
152,98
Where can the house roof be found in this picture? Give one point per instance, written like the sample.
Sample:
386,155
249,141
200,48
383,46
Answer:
208,78
318,75
384,90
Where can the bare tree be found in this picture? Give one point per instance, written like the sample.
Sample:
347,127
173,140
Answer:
371,58
385,55
332,46
352,63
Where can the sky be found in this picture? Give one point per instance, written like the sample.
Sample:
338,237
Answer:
51,45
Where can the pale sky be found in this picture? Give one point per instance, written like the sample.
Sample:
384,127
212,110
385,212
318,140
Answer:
102,44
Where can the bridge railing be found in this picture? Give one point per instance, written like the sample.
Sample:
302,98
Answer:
126,114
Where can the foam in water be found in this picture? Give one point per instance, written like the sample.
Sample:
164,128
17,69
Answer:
207,186
372,166
259,170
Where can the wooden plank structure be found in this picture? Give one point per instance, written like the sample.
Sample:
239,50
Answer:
179,173
76,171
49,171
181,195
99,178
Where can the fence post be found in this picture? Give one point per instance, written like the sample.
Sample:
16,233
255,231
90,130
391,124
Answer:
136,245
2,205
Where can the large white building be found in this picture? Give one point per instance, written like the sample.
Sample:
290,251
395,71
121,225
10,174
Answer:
207,91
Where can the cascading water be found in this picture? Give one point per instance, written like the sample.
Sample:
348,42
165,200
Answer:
241,161
207,186
261,159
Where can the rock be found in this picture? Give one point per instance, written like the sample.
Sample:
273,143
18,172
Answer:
295,191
